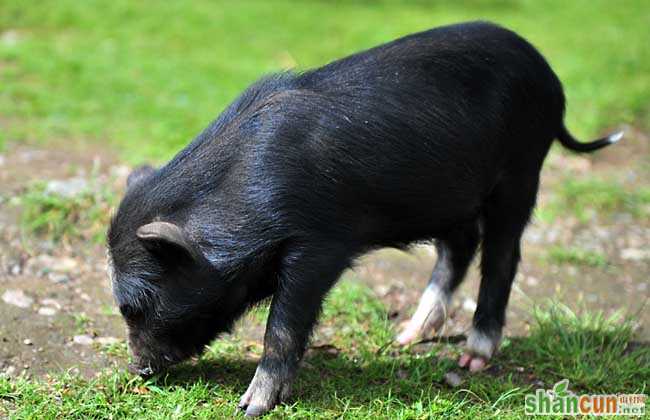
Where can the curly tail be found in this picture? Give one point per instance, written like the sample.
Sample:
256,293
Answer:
571,143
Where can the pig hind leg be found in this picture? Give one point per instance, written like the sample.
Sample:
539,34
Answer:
455,253
505,216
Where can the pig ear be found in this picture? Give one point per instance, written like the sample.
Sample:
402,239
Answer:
167,240
139,174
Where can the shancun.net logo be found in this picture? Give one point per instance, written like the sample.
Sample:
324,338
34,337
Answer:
561,401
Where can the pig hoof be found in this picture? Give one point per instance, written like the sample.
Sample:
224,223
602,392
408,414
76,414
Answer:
473,363
265,391
480,348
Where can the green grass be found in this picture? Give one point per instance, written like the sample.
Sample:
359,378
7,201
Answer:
82,216
357,375
148,76
576,256
586,199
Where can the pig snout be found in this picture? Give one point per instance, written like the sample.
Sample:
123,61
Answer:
135,369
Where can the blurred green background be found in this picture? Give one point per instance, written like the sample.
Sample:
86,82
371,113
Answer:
146,77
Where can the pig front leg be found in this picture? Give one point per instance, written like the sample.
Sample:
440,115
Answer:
296,303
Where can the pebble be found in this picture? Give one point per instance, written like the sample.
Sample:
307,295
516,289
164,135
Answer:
58,278
27,342
15,270
47,311
382,290
453,379
18,298
49,263
68,188
635,254
532,281
120,171
105,341
83,340
51,302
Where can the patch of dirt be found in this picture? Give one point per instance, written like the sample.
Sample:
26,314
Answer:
66,316
57,312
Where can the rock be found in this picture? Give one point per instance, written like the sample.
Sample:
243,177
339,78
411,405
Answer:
635,254
58,278
15,270
47,311
64,265
84,296
532,281
51,302
68,188
83,340
27,342
382,290
105,341
45,263
120,171
18,298
453,379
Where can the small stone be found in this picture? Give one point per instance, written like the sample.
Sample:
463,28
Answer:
469,305
51,302
635,254
18,298
83,340
453,379
47,263
68,188
532,281
120,171
47,311
382,290
84,296
105,341
58,278
27,342
15,270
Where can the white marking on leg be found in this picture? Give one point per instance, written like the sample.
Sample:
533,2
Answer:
430,314
483,344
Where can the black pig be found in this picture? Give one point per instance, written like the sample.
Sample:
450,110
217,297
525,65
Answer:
438,135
